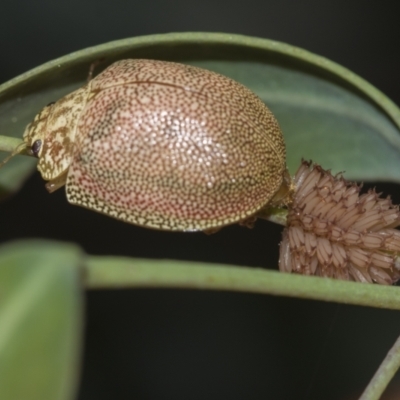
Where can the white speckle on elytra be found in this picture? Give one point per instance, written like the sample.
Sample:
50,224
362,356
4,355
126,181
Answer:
145,100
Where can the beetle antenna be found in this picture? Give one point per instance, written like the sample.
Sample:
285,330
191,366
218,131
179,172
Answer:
18,150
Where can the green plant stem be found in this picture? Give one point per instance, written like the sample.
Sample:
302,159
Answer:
384,374
9,144
123,273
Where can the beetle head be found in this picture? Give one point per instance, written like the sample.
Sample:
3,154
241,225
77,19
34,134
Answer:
51,135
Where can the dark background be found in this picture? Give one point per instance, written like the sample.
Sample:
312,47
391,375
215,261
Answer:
167,344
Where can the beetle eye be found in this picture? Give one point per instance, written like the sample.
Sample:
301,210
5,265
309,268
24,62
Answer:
37,144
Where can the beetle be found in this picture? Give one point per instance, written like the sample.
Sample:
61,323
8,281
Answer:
162,145
174,147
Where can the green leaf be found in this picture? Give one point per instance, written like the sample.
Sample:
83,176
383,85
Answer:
327,113
40,320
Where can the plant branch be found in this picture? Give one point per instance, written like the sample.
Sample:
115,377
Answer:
9,144
384,374
122,273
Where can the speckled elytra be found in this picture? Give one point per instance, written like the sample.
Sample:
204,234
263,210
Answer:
162,145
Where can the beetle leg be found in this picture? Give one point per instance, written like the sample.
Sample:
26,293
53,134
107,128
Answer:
57,183
248,222
92,67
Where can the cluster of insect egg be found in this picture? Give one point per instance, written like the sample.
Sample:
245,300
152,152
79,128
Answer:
333,231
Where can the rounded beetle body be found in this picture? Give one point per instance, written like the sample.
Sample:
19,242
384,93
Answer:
161,145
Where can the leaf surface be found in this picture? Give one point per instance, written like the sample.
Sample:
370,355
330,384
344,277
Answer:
40,320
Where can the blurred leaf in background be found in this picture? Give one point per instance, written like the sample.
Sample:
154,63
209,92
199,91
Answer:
40,321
